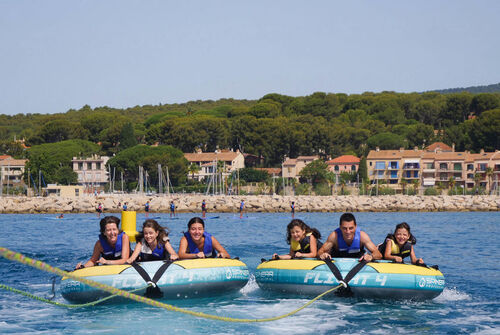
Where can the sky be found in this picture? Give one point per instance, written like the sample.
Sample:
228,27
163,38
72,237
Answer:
61,55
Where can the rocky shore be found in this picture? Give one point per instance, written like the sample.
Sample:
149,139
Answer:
264,203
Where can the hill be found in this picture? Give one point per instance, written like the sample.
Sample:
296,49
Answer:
472,89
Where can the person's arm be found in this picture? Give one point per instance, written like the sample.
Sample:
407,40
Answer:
135,254
220,249
367,242
324,251
171,251
387,252
125,253
313,245
287,256
183,254
93,259
414,259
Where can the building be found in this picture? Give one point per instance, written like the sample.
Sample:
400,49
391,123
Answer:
345,163
291,167
432,168
64,191
12,171
207,163
92,173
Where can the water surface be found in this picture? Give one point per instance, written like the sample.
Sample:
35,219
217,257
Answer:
464,245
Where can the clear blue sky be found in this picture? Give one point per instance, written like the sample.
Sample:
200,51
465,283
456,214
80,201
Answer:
58,55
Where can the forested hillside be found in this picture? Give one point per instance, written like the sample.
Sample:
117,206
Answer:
495,88
275,125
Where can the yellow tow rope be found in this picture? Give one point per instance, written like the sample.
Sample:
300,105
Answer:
15,256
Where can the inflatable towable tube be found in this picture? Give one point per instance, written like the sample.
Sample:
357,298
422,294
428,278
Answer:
182,279
381,279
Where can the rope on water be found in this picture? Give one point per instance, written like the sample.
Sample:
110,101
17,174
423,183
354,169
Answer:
18,257
49,301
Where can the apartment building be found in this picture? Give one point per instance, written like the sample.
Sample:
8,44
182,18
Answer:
92,173
430,168
345,163
11,171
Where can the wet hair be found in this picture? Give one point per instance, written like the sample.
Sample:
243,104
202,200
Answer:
162,232
303,226
406,226
347,217
196,220
109,219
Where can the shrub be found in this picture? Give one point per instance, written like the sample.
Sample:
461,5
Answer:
303,189
431,191
323,189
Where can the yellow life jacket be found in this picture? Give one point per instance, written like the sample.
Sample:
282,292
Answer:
303,245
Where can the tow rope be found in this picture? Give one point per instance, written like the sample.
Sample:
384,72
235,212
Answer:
18,257
345,290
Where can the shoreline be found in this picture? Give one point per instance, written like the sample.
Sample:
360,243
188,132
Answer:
187,203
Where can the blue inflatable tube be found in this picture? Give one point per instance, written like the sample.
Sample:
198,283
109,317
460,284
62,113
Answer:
182,279
381,279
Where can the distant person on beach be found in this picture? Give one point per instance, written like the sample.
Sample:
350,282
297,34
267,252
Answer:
197,243
113,246
172,209
242,208
61,216
203,209
399,245
304,241
146,208
119,206
349,242
153,244
125,206
99,210
292,208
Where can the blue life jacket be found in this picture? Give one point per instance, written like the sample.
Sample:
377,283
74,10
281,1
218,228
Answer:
208,249
110,253
159,253
172,207
355,250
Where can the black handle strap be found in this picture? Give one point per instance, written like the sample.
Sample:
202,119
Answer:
152,291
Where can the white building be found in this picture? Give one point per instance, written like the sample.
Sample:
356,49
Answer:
207,162
92,173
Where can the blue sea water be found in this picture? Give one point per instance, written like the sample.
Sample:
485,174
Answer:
465,246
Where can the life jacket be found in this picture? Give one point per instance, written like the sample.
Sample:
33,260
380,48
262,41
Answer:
146,206
355,250
172,207
159,253
109,252
403,252
208,249
304,245
203,206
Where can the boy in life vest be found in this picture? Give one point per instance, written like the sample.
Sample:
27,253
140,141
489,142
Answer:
349,242
304,241
399,245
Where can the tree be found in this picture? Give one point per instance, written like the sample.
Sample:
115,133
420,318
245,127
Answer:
66,176
315,172
363,169
484,131
386,141
489,174
253,176
193,168
404,182
483,102
127,137
129,160
54,159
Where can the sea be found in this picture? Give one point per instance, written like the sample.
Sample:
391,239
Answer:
465,245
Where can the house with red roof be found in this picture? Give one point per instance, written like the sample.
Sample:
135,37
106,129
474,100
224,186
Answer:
345,163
